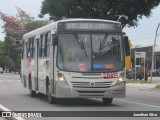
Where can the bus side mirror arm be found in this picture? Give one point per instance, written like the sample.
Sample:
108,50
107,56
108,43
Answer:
126,45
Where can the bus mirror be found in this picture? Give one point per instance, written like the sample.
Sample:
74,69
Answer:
55,39
126,45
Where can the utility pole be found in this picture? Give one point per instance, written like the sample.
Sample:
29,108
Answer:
153,50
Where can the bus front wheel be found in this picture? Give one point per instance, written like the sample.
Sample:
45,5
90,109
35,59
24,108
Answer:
107,101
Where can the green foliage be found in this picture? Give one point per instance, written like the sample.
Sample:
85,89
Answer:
128,12
2,53
15,27
9,55
157,88
29,22
34,25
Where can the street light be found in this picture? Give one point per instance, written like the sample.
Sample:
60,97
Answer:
154,50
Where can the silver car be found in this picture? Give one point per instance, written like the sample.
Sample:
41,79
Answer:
1,70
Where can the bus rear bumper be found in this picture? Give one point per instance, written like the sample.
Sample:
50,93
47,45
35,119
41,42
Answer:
66,91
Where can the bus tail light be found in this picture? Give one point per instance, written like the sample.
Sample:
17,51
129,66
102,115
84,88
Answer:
118,91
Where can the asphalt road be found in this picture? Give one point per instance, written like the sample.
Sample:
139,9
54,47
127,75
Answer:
15,97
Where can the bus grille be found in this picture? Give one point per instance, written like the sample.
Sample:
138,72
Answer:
88,84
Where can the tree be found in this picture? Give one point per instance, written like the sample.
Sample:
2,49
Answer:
14,28
29,22
9,55
2,53
128,12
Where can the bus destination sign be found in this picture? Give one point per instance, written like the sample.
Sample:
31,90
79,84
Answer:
89,26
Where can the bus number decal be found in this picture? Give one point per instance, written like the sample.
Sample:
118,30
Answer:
82,67
111,75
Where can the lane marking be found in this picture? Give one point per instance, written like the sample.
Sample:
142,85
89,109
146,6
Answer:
4,108
139,103
7,110
10,80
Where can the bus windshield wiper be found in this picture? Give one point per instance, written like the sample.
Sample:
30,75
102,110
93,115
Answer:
102,43
81,43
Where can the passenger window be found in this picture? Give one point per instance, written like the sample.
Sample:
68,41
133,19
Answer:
30,48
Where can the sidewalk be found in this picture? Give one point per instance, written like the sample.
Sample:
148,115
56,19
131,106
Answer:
144,85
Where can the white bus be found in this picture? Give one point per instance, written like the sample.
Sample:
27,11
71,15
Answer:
75,58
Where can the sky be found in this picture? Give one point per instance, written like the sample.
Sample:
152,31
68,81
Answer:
142,35
32,7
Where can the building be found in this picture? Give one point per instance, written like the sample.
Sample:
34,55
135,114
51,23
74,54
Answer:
148,50
148,61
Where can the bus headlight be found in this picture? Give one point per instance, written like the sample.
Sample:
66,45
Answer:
121,77
61,78
120,80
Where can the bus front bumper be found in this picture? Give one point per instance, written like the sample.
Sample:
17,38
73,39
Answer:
66,91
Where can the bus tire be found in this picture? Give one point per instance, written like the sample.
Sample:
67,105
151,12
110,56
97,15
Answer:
107,101
51,99
32,93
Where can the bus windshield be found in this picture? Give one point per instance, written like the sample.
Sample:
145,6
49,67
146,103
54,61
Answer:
96,52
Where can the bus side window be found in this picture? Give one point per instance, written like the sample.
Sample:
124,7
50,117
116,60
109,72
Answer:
33,48
40,46
48,44
23,49
47,40
30,48
45,45
54,39
27,49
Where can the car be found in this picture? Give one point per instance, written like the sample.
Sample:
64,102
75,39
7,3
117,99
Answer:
156,72
130,74
1,70
139,74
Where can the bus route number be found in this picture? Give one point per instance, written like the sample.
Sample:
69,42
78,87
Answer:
111,75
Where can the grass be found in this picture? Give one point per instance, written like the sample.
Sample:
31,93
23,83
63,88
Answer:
157,88
137,81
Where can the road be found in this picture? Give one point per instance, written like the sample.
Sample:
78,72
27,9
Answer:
16,98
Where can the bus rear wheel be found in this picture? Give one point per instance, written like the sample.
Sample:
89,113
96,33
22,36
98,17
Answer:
107,101
32,93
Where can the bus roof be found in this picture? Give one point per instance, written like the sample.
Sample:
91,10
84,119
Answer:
80,19
53,25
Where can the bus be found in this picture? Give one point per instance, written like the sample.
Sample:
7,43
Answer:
75,58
